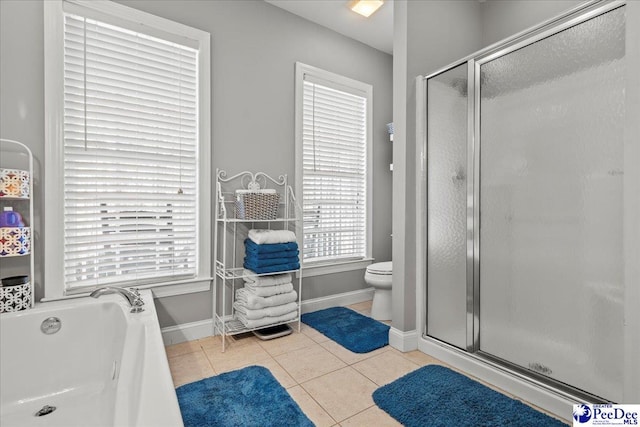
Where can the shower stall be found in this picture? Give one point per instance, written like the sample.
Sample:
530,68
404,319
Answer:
526,204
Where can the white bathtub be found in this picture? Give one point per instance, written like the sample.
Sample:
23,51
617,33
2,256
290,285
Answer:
104,367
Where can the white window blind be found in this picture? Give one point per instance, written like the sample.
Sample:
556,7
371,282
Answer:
130,156
334,170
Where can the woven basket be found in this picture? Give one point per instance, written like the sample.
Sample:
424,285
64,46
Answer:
257,205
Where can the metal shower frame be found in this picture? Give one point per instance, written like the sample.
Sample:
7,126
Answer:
572,17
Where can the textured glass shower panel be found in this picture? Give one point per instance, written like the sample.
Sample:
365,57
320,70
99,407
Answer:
447,206
551,248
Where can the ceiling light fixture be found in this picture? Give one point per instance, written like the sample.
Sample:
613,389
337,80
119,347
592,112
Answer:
365,7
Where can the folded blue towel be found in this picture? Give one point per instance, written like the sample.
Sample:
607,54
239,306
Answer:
257,262
273,268
267,255
270,247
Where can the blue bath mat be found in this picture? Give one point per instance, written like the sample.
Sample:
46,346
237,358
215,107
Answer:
353,331
437,396
247,397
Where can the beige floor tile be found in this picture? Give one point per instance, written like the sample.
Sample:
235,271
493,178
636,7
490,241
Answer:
190,367
349,357
361,306
235,356
309,362
422,359
310,407
286,344
365,312
373,416
330,392
209,341
274,367
231,341
386,367
182,348
342,393
313,334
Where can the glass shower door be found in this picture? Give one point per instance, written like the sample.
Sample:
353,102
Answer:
551,206
447,112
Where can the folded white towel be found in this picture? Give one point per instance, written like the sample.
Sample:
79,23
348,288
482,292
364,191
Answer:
252,301
276,311
276,279
265,321
269,291
271,236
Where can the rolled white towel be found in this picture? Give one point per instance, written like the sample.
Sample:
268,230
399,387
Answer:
261,237
269,291
252,301
266,321
276,279
276,311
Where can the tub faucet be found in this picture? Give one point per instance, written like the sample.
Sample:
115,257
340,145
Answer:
131,295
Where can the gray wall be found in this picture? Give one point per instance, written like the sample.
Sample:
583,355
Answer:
438,32
22,101
504,18
254,46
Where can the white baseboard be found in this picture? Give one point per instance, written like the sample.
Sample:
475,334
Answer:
187,332
544,398
403,341
346,298
204,328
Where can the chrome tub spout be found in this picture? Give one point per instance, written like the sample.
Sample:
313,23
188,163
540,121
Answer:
131,295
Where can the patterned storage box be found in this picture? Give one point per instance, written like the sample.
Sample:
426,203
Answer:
14,183
15,298
15,241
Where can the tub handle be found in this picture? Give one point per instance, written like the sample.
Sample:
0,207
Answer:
138,302
136,307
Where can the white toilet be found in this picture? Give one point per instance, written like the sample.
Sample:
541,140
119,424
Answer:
380,276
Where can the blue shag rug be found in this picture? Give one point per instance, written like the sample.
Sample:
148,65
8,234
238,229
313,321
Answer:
437,396
353,331
246,397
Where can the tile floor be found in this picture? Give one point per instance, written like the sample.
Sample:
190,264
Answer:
332,385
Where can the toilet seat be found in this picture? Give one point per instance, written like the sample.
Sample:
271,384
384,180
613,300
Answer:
380,277
381,268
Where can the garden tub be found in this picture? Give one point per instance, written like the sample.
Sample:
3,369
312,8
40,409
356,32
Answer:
104,366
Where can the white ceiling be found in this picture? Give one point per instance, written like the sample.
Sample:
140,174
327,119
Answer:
375,31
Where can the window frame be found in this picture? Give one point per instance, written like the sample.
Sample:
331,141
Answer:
54,286
316,268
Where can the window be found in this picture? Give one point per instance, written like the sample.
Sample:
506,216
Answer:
333,156
131,145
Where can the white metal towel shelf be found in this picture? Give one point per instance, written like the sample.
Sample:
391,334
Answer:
229,238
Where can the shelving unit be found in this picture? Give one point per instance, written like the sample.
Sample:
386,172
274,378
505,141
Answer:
15,156
229,237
